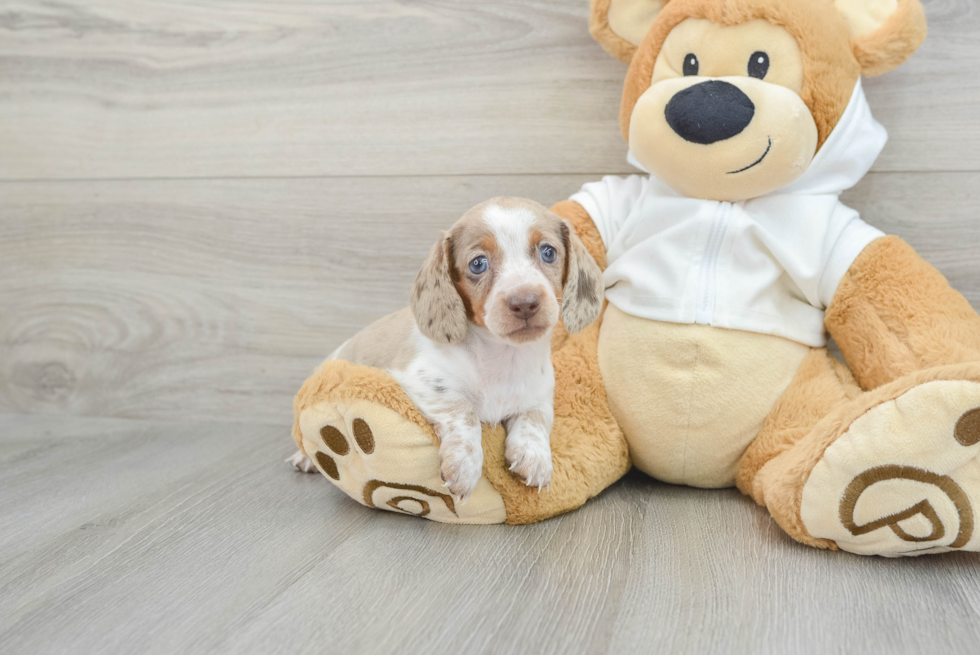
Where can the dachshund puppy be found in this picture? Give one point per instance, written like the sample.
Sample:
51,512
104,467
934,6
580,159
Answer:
475,344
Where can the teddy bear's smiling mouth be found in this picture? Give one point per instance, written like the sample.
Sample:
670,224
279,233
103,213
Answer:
756,162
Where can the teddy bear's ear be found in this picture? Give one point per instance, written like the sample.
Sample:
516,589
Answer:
884,33
620,25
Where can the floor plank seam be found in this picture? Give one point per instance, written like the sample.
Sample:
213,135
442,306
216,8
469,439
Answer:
399,176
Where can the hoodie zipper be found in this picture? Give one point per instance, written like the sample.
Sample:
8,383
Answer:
707,282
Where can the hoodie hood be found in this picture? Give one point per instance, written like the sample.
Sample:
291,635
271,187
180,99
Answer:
846,156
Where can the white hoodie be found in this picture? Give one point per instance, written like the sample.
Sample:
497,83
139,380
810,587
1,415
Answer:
770,264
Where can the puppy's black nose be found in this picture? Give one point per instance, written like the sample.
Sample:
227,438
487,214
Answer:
524,305
710,111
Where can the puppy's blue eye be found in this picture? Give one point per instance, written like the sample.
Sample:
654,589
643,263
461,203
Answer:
479,265
548,254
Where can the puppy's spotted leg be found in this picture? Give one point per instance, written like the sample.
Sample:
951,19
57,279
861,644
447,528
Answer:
461,449
528,446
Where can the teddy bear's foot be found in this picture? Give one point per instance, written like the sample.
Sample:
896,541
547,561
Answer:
382,460
904,477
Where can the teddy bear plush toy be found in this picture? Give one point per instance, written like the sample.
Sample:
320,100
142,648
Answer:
726,265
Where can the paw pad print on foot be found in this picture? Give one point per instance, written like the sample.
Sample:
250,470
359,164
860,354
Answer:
967,430
385,461
335,440
922,523
904,478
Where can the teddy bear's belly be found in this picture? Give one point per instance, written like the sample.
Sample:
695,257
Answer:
690,398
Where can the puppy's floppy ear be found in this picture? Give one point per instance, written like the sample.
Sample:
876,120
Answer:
582,286
884,33
436,305
620,25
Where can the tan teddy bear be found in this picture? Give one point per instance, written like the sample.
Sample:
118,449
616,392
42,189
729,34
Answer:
725,268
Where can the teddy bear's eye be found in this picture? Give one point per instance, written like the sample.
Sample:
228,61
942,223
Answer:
759,65
691,65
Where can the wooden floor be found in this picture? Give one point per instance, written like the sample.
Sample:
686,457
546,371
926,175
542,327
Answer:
199,200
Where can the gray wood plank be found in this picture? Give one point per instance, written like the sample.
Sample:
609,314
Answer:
163,88
207,299
215,299
123,536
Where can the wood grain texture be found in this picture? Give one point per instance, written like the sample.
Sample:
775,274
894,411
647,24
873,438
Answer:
122,536
168,88
215,299
207,298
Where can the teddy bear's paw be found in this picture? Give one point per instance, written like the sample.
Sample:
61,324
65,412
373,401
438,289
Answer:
904,478
383,460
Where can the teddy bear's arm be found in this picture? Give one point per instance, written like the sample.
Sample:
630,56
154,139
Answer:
585,227
894,314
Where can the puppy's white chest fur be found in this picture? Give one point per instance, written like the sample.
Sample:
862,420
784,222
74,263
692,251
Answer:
512,378
498,380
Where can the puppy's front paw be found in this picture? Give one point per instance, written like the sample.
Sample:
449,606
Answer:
530,460
461,467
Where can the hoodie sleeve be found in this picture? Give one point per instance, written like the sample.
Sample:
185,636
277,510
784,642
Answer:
854,236
815,249
610,201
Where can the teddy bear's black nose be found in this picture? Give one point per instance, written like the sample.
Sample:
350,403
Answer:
710,111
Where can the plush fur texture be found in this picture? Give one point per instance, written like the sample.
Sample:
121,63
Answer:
600,30
670,388
830,70
899,324
895,314
821,384
833,59
339,381
779,483
896,40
